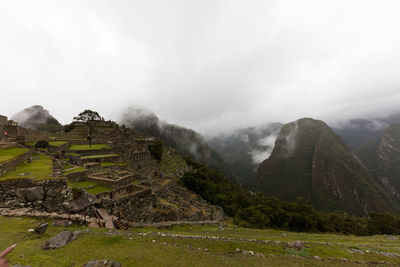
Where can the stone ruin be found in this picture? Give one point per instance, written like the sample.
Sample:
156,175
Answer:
141,193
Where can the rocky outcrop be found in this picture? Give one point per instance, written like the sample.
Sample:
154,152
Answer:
311,163
61,239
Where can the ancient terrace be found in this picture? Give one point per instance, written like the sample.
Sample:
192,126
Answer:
93,165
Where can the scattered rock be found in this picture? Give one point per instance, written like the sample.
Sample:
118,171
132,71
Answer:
102,263
61,239
317,257
353,250
389,254
297,245
41,229
392,238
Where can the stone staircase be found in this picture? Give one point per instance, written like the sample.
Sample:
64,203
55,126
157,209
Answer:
57,168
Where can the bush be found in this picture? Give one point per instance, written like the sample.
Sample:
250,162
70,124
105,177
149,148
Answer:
42,144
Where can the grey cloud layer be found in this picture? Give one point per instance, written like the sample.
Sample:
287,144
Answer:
209,65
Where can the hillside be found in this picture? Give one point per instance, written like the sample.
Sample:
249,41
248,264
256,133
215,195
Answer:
186,141
311,163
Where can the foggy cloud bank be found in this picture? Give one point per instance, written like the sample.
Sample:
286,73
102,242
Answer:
212,66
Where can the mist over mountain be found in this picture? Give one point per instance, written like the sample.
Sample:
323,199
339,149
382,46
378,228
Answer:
186,141
356,132
245,149
312,163
37,118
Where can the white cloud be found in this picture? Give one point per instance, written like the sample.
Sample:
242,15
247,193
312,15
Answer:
209,65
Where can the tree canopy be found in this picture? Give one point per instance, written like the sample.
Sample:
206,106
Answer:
88,115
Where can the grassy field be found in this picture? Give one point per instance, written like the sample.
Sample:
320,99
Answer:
87,147
78,169
178,246
108,164
91,187
57,143
10,153
100,156
40,168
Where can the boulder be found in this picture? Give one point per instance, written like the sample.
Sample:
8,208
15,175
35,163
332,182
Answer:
61,239
41,229
30,194
297,245
102,263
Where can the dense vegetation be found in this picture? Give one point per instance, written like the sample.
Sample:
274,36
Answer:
156,149
257,211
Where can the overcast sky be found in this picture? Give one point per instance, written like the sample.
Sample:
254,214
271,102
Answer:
209,65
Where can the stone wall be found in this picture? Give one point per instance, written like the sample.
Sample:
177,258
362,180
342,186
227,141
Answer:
120,192
112,183
58,150
49,195
77,176
3,120
7,145
137,207
12,164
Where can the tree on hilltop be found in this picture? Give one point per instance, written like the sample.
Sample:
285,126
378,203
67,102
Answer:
88,115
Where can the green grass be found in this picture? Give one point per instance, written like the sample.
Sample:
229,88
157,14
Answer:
91,187
11,153
99,189
87,147
39,169
79,169
57,143
107,164
100,156
73,154
131,249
